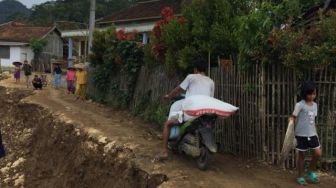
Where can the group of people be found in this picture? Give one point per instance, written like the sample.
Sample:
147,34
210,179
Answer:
76,78
37,81
27,69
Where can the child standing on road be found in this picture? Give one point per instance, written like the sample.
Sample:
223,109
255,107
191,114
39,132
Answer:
17,73
304,116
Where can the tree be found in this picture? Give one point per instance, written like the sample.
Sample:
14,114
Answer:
211,24
112,52
205,28
267,34
242,29
37,46
312,47
18,17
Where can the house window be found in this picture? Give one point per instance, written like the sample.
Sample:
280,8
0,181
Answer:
145,38
4,52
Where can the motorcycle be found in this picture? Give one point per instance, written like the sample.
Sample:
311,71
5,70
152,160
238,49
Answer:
195,138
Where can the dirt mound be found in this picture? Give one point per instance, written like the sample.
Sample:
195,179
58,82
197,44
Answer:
44,151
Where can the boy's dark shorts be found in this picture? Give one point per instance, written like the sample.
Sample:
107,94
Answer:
306,143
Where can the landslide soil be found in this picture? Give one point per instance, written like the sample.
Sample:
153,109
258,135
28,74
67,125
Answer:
46,151
84,144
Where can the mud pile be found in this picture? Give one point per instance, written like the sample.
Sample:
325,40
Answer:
44,151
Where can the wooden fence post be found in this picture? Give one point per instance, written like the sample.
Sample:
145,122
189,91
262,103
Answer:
262,112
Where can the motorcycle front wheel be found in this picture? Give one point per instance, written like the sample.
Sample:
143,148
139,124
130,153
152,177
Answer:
204,159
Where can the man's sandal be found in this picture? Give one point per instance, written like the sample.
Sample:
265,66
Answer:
301,181
312,177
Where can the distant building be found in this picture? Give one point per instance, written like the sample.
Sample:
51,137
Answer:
140,17
15,38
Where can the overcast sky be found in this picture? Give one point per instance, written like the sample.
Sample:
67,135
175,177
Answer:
30,3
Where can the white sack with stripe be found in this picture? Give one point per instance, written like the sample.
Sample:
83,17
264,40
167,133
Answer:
198,105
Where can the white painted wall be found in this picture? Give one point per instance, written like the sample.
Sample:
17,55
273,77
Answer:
26,54
14,54
139,27
17,54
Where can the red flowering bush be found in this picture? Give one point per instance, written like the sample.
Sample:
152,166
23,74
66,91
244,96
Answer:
167,14
132,35
159,48
304,48
122,35
115,50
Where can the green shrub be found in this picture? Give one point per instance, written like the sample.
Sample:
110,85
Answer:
114,52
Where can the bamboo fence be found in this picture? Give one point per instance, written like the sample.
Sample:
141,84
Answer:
266,97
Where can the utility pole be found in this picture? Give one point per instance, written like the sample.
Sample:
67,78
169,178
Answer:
92,22
0,67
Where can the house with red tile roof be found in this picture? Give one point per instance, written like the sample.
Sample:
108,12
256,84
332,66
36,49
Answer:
141,12
15,38
140,17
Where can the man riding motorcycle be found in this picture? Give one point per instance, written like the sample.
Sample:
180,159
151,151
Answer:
194,84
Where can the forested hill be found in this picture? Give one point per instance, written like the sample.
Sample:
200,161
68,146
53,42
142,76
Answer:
73,10
58,10
10,8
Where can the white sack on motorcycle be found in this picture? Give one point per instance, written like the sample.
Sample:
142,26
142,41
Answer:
198,105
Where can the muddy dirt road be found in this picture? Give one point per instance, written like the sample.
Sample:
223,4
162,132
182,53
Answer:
75,144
